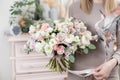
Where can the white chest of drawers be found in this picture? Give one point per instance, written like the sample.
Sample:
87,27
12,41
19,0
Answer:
32,66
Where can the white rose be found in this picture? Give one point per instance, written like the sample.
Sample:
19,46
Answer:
59,28
38,26
76,39
72,37
43,33
82,24
95,37
69,39
53,35
32,29
82,46
85,41
48,50
50,30
37,35
38,47
43,43
65,29
88,34
47,35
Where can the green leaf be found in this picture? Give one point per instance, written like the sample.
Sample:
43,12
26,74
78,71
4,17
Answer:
85,50
91,46
62,19
51,22
72,58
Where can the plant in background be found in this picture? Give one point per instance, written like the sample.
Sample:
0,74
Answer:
22,13
38,11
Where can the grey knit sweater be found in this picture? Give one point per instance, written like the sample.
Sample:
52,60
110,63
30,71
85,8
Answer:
105,45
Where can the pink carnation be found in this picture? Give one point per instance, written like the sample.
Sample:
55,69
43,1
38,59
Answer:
45,26
55,47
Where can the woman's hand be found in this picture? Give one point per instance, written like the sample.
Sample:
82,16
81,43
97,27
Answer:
103,71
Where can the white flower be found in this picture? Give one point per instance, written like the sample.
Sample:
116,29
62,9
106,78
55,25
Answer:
65,29
43,43
32,29
52,42
82,24
53,35
48,50
76,39
47,35
38,26
59,28
83,29
37,35
88,34
95,37
49,29
43,33
69,39
82,46
85,41
38,47
72,37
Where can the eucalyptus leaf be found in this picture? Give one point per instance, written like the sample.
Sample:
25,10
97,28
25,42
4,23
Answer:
92,46
51,22
62,19
85,50
72,58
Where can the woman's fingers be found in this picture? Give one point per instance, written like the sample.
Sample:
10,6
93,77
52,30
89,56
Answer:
100,75
98,68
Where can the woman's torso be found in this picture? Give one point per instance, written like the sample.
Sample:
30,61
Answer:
95,57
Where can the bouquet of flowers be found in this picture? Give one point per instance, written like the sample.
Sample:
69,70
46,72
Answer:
59,40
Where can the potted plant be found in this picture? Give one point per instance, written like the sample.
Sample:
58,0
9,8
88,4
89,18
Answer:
22,13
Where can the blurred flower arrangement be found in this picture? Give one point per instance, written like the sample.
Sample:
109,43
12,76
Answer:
24,12
59,40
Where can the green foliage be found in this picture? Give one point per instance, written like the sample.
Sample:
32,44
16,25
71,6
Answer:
38,11
91,46
28,22
51,22
16,8
62,19
72,58
85,50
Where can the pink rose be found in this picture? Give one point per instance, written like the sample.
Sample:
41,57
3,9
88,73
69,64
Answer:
60,50
41,38
55,47
45,26
57,39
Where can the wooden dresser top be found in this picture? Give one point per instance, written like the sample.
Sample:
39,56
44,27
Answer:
22,37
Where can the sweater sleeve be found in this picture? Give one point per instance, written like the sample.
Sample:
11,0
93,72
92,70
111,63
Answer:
116,55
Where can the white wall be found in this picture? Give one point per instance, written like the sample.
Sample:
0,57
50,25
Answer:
5,67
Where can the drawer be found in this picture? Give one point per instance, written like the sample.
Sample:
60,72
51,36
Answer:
20,52
42,76
32,65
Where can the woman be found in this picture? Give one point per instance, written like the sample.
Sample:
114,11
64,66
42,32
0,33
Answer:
104,60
